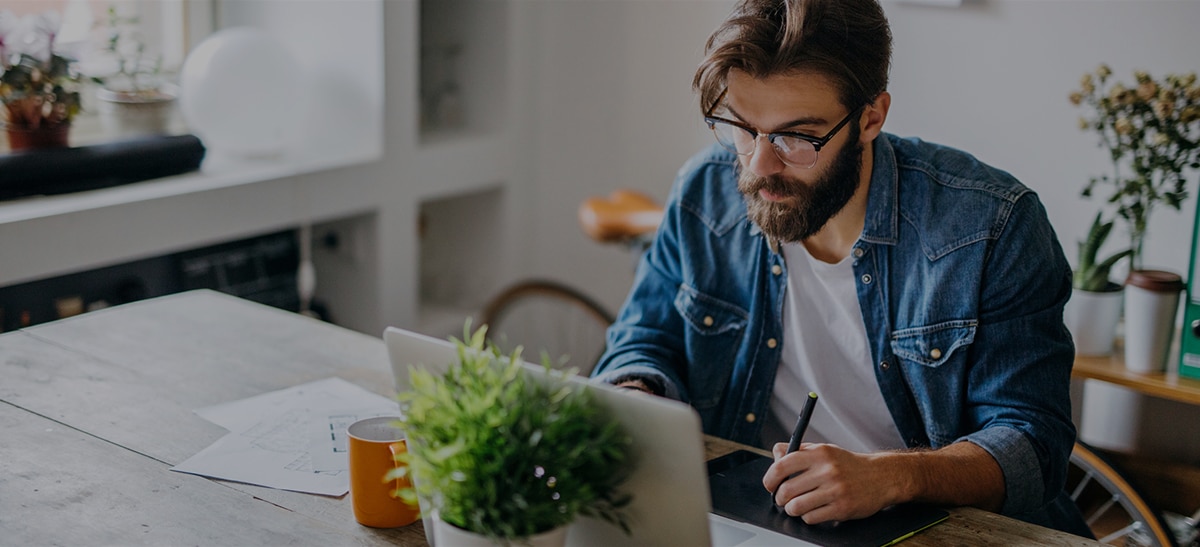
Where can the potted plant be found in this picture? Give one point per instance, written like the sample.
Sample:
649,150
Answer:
1151,128
1094,309
135,98
38,85
501,456
1152,132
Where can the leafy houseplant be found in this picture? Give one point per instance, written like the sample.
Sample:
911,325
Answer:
1092,274
39,87
1152,130
500,453
1094,309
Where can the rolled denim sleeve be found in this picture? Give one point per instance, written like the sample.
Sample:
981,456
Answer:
1019,384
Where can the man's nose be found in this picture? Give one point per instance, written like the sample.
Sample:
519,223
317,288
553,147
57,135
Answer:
764,161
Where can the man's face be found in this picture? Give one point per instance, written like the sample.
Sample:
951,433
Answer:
789,203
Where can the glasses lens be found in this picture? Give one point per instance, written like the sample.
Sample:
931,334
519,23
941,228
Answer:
733,138
795,151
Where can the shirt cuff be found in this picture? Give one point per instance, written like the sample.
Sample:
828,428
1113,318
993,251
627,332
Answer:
658,382
1024,484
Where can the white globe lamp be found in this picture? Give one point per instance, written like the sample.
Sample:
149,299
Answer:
242,93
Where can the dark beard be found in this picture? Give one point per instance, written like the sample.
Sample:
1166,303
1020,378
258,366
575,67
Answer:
815,203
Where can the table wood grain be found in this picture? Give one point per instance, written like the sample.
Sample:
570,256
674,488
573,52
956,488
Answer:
95,409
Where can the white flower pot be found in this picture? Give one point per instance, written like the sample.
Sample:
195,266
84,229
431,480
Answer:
449,535
1092,318
127,115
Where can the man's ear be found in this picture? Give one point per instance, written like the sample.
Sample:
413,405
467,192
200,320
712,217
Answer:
871,122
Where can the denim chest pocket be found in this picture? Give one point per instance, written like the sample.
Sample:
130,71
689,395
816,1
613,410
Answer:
933,345
714,334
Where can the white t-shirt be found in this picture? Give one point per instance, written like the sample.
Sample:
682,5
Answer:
825,350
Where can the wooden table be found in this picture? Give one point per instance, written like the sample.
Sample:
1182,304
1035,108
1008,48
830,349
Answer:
95,409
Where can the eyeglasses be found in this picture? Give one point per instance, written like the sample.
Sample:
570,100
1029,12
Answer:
794,149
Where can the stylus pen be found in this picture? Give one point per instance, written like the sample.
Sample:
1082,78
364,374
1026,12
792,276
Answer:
802,422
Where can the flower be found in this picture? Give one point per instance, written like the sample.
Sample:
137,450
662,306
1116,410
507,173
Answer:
1152,132
38,85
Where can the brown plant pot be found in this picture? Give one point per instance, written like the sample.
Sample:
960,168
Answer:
54,136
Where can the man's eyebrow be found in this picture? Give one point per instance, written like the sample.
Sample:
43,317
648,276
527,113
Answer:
798,122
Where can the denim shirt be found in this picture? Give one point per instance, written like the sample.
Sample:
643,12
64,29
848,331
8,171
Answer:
961,281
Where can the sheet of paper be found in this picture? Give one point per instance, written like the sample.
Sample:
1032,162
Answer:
291,439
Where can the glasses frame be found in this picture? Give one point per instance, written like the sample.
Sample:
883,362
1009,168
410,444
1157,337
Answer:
816,142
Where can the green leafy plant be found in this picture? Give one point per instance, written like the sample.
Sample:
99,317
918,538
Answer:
499,452
38,86
1091,274
1151,128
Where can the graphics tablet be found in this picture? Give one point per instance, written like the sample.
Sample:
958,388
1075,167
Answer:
735,484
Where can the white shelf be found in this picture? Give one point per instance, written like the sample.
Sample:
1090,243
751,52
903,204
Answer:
82,230
214,174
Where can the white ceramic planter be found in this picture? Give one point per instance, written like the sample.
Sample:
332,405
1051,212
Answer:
448,535
127,115
1092,318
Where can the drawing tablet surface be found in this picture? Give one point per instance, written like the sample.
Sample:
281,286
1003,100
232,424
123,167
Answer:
735,484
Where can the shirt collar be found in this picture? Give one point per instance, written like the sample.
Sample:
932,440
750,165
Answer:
879,226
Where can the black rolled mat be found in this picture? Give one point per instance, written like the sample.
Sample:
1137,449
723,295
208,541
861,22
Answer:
63,170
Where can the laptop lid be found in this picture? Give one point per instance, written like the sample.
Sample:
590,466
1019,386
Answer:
669,486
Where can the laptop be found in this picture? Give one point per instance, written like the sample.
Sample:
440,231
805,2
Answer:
670,486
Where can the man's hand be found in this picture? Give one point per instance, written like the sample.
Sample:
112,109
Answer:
829,483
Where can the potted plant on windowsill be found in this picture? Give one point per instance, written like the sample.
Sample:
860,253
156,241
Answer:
1094,309
500,456
135,97
39,86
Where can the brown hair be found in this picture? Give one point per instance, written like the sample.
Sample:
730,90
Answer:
847,40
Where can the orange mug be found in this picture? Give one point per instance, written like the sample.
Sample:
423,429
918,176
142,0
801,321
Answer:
372,446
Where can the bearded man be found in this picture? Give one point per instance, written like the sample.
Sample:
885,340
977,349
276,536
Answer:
919,291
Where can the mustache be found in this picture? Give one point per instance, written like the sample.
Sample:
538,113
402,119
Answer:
751,184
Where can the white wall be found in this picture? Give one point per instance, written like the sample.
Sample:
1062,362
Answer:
614,109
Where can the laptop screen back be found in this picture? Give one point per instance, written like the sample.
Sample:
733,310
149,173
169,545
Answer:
669,486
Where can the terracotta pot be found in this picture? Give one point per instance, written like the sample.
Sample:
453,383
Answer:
54,136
